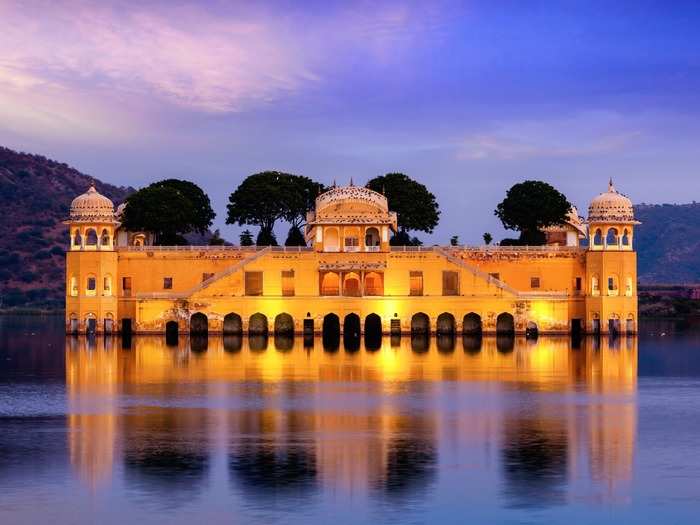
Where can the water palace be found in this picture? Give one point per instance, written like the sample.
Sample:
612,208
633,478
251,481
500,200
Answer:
349,279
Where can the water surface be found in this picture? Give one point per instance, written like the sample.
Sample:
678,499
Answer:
275,431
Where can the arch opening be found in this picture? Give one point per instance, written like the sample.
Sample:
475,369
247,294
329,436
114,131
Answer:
420,324
171,333
612,238
471,324
233,324
351,332
284,324
372,239
330,332
199,324
505,324
373,332
351,285
445,324
91,237
331,240
257,324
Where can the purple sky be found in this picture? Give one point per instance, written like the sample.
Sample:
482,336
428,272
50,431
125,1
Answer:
467,97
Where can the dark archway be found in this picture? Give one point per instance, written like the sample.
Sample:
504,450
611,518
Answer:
471,343
445,343
420,324
420,343
351,332
257,325
199,324
331,332
199,342
445,324
284,324
233,324
171,333
233,342
471,324
505,324
284,341
373,332
505,342
257,342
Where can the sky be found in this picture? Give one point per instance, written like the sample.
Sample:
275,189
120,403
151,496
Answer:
466,97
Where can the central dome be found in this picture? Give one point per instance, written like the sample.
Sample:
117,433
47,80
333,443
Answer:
92,206
340,195
611,206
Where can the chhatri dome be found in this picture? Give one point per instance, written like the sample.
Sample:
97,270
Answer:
352,204
92,206
611,206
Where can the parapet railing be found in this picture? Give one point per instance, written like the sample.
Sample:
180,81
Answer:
207,248
491,248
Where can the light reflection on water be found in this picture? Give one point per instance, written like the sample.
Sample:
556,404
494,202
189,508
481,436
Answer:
255,430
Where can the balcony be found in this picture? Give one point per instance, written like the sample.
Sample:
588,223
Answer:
372,248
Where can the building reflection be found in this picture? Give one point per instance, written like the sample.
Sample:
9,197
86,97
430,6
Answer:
294,419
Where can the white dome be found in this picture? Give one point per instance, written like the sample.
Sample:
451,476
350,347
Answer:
92,206
611,206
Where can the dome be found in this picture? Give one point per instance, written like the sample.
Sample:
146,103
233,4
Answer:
611,206
339,196
92,206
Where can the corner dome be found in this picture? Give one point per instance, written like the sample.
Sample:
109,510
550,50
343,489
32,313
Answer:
611,206
92,206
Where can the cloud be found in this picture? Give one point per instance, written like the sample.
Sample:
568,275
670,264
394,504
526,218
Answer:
590,134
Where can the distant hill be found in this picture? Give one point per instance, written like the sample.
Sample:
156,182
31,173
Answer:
668,243
35,194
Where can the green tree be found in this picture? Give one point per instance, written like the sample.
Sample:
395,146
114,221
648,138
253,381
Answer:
216,239
531,206
161,210
203,214
299,198
454,240
246,238
487,238
295,237
416,207
266,238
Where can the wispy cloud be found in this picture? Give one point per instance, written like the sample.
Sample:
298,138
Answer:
582,135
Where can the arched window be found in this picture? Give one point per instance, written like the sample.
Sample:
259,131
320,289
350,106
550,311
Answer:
613,285
332,241
372,240
595,285
330,284
351,285
91,285
107,285
612,238
104,238
374,284
626,238
74,286
78,239
598,238
628,286
91,237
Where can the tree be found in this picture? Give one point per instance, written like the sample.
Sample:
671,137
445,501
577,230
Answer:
487,238
454,240
416,207
531,206
162,210
203,214
246,238
295,237
264,198
169,209
266,238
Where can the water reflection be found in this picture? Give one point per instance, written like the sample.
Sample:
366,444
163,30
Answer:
293,416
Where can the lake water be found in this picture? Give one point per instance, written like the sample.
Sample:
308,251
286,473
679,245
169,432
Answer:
237,431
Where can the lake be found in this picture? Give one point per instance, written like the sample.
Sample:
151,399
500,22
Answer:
105,430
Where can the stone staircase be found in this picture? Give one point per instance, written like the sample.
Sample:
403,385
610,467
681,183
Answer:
457,261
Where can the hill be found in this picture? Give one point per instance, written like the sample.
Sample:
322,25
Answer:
668,243
35,195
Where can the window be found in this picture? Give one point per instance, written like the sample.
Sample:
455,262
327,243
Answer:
577,284
628,287
288,283
595,289
496,276
126,286
416,279
91,285
206,276
253,283
598,238
613,287
91,237
374,284
534,282
330,283
450,283
167,283
107,285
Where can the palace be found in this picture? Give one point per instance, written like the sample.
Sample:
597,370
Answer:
350,280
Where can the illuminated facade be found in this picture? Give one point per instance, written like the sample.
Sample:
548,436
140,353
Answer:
350,280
